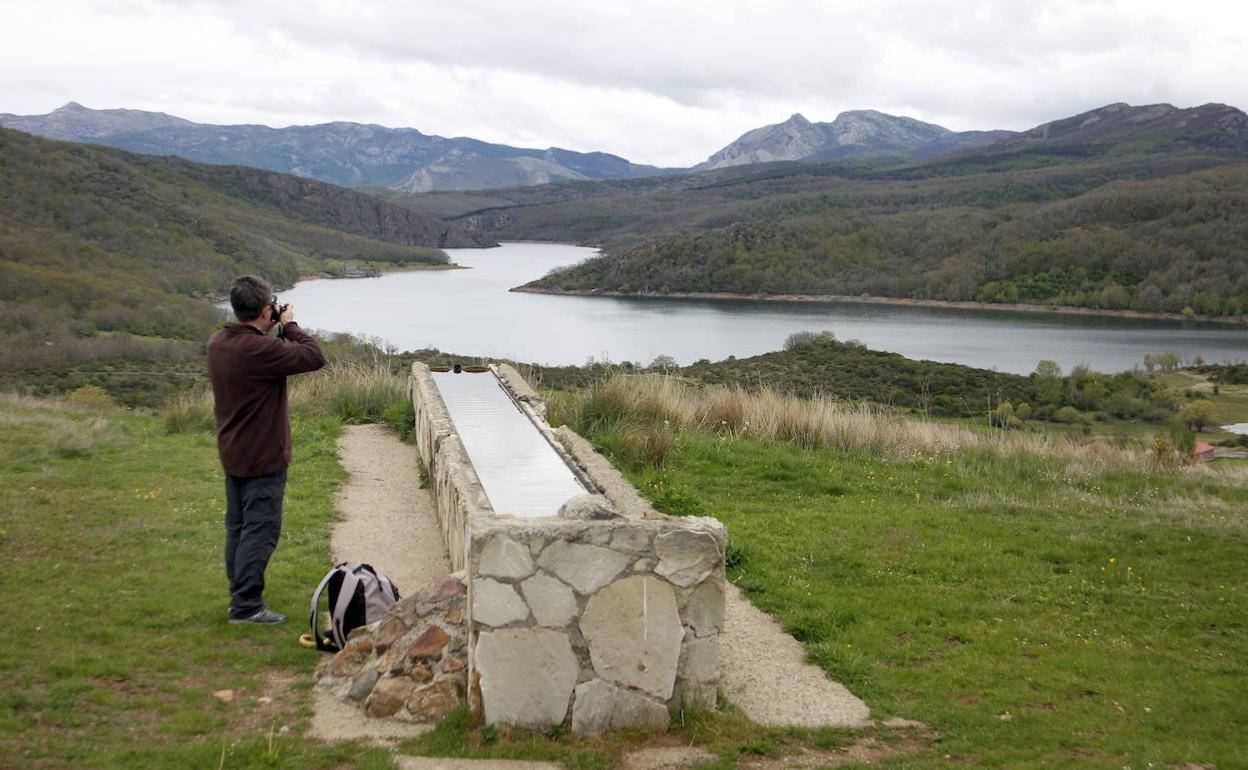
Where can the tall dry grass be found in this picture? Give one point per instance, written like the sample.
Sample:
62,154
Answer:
644,401
351,391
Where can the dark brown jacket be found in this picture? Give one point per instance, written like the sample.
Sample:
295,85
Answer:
248,370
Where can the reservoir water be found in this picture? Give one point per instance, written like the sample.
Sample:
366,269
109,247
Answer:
472,312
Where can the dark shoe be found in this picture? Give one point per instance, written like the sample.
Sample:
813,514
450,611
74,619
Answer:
263,617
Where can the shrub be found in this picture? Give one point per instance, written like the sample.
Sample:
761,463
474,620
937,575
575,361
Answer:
90,397
1067,414
189,411
401,416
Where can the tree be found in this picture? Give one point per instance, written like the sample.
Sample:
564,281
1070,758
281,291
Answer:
1048,378
1048,369
1197,414
663,361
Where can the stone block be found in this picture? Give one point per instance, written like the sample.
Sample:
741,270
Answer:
601,706
584,567
392,627
587,507
503,557
704,608
526,676
363,683
428,646
686,557
630,538
394,661
348,660
496,604
421,673
388,696
634,634
432,702
550,599
701,660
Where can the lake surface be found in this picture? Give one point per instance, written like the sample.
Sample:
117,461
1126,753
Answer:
473,313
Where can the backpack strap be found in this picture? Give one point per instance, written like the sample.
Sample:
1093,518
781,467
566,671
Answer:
312,618
350,581
388,587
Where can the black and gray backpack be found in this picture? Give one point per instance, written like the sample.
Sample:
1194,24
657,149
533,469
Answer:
358,595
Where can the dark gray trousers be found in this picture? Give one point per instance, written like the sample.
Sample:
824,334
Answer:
253,522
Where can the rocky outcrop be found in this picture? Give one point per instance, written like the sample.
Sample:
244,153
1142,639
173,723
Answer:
855,133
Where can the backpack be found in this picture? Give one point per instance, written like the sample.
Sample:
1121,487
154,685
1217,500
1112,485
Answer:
358,595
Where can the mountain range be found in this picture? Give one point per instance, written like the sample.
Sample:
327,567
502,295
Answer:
346,154
406,160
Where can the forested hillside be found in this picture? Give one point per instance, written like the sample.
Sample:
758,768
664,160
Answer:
105,254
1178,244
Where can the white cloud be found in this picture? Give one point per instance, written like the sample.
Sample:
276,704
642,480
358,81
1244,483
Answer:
656,82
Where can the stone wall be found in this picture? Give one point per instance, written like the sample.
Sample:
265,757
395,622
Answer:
605,616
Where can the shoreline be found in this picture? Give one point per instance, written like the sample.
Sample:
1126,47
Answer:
893,301
382,271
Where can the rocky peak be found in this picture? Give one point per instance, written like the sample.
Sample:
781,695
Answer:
853,132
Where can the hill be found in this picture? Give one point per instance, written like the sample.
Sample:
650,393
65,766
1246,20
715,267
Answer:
348,154
856,133
1121,128
106,254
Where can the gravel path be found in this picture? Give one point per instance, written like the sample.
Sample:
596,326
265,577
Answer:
389,522
387,519
763,671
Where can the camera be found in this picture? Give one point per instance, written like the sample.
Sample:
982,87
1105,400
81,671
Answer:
276,310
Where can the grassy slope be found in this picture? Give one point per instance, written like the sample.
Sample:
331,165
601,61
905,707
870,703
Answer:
1033,615
112,532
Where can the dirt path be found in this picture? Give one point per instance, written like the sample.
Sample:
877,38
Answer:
389,522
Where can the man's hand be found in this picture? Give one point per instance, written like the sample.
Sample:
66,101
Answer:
288,314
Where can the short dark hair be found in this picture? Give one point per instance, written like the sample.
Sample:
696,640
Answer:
249,295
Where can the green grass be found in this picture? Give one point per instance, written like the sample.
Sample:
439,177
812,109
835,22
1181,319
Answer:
111,533
1032,614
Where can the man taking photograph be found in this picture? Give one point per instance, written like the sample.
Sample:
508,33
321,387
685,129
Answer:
248,367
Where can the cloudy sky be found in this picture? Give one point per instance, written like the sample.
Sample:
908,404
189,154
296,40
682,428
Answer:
657,81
